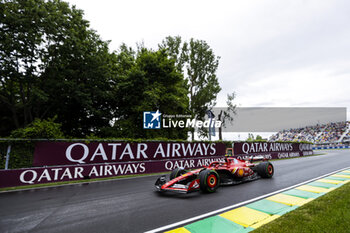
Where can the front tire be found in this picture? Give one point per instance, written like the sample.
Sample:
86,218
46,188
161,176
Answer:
177,172
209,181
265,169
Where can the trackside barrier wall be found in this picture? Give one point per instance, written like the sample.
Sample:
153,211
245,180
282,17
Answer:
271,150
26,176
66,161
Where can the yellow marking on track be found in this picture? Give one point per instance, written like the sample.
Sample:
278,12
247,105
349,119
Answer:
314,189
263,222
179,230
288,199
330,181
245,216
347,171
342,176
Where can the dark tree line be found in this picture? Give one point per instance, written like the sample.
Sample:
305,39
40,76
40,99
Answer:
53,66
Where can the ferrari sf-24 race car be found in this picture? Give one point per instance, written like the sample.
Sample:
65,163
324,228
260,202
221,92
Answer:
208,179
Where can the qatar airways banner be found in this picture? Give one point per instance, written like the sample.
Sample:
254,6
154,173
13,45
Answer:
70,153
19,177
271,150
64,161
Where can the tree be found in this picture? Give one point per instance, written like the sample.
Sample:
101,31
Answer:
199,64
21,50
39,129
80,86
250,137
176,50
51,63
149,82
226,115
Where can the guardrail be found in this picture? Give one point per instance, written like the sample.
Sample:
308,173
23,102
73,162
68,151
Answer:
330,147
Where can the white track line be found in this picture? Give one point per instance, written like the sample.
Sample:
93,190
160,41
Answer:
167,227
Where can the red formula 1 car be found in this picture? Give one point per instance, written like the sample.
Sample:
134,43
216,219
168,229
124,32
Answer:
208,179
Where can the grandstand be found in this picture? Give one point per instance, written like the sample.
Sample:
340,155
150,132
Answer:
346,137
327,134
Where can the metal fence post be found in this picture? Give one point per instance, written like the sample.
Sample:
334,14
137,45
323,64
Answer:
7,157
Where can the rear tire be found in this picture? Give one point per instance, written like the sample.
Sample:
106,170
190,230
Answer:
177,172
265,169
209,181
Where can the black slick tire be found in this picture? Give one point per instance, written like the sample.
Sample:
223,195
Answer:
265,169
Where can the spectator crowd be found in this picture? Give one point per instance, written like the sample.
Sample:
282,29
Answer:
347,135
319,134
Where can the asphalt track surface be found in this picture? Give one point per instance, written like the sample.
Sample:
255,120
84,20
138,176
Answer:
132,205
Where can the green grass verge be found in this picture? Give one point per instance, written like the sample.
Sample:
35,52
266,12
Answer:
328,213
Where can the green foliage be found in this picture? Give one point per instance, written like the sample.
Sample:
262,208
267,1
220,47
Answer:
39,129
148,82
21,155
176,50
53,64
259,137
227,115
199,64
250,137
